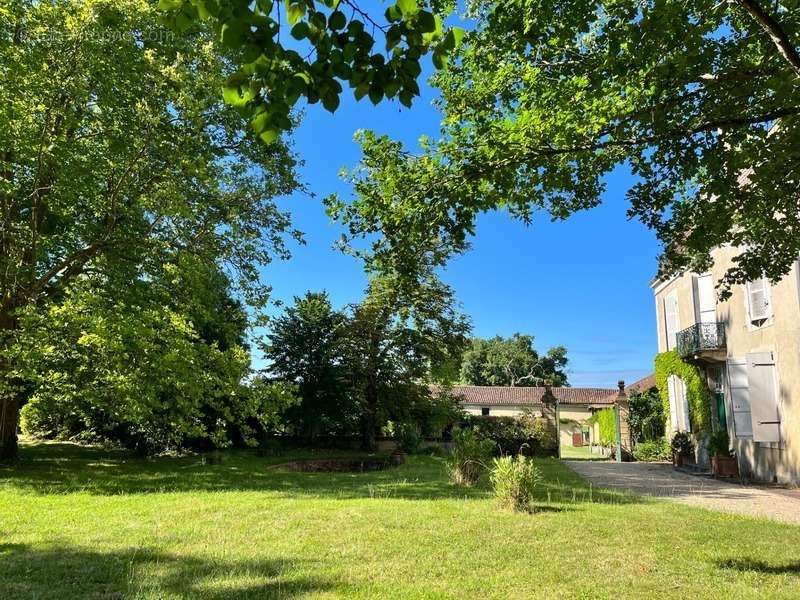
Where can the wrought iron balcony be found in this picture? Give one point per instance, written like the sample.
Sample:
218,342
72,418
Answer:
701,338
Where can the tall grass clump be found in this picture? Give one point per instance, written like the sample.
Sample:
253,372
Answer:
471,453
514,480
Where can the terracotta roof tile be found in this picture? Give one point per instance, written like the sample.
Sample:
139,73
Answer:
530,396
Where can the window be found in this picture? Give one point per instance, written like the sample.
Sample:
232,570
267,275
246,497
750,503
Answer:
485,411
759,307
671,319
705,299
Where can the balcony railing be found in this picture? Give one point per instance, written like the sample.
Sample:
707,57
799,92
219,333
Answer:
701,337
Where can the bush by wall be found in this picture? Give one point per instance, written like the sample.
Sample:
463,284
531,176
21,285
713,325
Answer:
652,450
526,434
697,394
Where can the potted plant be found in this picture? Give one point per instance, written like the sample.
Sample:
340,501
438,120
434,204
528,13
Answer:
723,462
682,446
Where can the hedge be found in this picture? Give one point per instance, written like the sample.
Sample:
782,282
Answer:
697,394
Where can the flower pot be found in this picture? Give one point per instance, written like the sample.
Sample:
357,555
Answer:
724,466
397,458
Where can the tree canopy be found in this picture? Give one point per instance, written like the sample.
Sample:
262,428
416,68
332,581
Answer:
512,361
293,49
121,165
546,97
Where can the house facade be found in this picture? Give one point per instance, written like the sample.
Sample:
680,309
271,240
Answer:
575,406
747,349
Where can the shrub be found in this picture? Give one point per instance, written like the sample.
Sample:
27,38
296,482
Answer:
526,434
682,443
719,444
652,450
470,455
407,436
606,420
514,481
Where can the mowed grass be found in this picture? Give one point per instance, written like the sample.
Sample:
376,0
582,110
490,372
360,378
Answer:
78,522
580,453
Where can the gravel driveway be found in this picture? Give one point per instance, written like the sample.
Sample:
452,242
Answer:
663,481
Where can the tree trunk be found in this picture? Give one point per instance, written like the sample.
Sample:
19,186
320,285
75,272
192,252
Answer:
369,418
9,402
9,420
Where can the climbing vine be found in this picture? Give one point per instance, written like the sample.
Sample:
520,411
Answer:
607,422
697,394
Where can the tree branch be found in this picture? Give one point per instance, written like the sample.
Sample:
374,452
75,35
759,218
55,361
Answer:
774,30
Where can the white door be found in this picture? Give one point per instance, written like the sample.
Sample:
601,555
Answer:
678,404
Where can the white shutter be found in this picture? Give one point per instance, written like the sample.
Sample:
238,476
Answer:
673,405
678,404
763,399
671,319
740,398
706,299
758,299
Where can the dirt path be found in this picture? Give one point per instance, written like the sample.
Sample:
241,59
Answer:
663,481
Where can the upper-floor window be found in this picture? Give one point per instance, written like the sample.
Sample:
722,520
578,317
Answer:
485,411
759,302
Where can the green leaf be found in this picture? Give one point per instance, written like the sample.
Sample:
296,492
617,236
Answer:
458,35
375,94
393,14
234,94
294,11
300,31
439,58
408,7
337,21
269,135
427,23
331,102
232,33
361,90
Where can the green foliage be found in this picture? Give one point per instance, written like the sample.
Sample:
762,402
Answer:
607,423
546,98
332,44
646,418
526,434
159,365
512,361
407,436
122,169
719,444
469,458
697,394
654,450
682,443
304,346
514,480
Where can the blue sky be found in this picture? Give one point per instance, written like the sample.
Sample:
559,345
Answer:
581,283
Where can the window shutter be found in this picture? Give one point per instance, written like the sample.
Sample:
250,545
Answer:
671,319
740,398
763,399
673,405
758,298
678,404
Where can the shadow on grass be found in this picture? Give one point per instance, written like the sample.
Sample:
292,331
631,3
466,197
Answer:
69,572
62,468
759,566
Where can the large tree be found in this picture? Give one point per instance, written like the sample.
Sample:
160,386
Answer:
701,100
117,158
512,361
396,338
304,347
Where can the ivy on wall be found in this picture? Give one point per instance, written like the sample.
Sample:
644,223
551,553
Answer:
607,422
697,394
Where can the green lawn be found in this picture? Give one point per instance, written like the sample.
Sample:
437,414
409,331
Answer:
84,523
580,453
